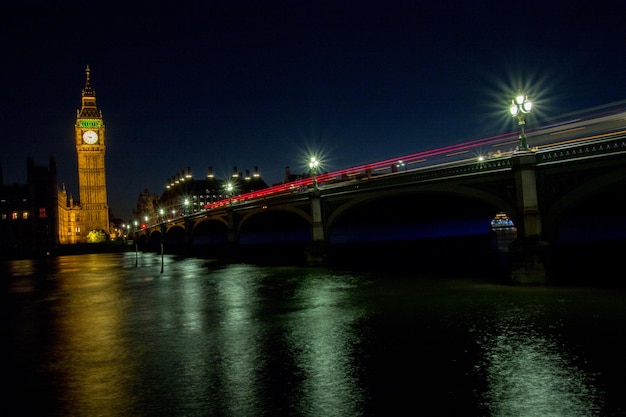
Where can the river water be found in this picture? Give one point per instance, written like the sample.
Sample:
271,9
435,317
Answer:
111,335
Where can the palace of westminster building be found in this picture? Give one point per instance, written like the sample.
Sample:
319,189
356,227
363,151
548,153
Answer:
38,216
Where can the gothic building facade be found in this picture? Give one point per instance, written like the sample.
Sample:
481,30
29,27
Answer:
39,216
91,212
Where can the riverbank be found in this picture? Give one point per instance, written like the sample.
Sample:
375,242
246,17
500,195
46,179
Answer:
75,249
583,263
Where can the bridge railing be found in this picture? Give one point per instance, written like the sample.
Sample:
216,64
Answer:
388,166
443,157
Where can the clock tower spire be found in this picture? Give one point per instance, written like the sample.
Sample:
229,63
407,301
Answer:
90,149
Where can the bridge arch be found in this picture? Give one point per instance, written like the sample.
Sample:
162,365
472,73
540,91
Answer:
420,227
175,238
280,224
591,210
209,231
152,240
488,203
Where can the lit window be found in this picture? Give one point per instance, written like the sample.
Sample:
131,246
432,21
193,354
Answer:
25,215
14,215
42,213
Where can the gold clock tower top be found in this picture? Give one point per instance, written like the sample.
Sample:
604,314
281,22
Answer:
89,109
89,123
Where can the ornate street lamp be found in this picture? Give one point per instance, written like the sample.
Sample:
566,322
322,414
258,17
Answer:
520,107
229,190
314,163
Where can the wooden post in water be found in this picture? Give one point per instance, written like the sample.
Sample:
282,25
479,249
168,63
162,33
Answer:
161,257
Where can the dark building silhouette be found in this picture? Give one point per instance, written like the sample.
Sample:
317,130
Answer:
29,212
185,195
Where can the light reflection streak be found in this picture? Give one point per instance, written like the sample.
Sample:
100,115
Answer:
323,336
529,374
22,270
239,338
92,352
180,307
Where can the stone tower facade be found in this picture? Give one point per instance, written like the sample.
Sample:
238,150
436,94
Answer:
90,148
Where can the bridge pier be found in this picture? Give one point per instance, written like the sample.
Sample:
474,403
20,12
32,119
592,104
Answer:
529,253
187,242
232,244
529,260
315,251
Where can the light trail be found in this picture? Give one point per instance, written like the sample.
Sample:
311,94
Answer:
389,166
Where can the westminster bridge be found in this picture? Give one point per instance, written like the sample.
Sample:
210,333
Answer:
568,188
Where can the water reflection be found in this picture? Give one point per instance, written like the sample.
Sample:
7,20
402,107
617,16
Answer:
93,335
285,343
240,337
322,336
90,354
170,331
532,372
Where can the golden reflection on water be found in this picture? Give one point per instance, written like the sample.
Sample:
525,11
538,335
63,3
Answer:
22,272
91,353
21,267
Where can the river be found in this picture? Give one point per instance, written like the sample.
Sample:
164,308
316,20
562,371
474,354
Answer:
115,335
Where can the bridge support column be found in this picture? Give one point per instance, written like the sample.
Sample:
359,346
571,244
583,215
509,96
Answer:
529,252
316,249
187,244
233,241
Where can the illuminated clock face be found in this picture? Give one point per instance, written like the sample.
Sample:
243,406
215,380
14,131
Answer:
90,137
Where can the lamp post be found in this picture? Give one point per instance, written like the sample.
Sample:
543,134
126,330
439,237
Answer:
314,163
520,107
229,191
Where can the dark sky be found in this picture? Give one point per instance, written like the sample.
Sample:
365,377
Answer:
262,83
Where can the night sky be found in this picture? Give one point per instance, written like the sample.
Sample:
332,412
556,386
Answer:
263,83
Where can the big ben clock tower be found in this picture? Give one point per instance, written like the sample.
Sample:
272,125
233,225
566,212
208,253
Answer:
90,147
